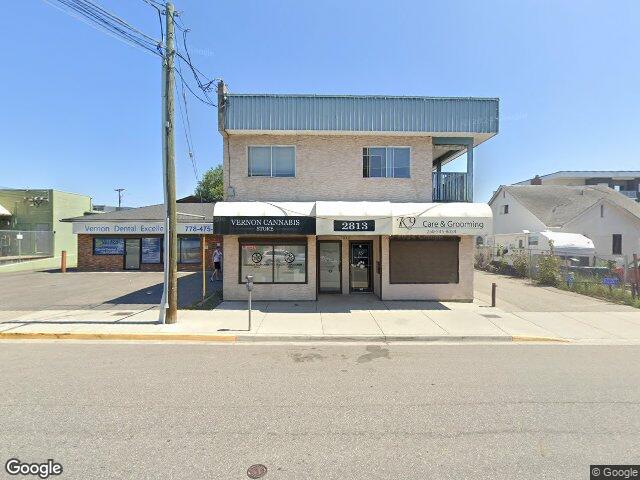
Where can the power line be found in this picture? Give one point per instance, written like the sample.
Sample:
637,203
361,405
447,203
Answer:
99,18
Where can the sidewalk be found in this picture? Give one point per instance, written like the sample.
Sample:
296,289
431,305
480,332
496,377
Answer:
334,317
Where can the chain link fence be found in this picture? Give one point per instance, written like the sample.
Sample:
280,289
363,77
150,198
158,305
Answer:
612,277
17,246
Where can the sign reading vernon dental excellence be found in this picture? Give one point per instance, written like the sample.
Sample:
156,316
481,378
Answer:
264,225
138,228
409,225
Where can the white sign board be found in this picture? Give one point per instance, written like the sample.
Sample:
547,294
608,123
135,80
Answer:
410,225
138,228
353,226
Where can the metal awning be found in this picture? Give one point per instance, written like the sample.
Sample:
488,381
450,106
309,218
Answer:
442,219
264,218
264,209
353,218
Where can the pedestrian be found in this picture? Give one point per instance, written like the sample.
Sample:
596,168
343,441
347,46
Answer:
217,264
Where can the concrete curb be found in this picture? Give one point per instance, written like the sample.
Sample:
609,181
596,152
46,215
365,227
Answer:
252,338
194,337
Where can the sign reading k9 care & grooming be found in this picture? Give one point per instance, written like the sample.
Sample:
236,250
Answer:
264,225
411,225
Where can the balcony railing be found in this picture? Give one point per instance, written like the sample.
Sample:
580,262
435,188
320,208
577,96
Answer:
451,187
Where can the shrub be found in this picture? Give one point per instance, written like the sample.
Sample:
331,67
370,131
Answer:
549,268
521,264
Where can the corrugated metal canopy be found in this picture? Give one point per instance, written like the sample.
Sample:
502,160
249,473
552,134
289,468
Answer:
333,113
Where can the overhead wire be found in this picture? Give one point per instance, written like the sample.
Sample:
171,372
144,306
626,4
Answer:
100,19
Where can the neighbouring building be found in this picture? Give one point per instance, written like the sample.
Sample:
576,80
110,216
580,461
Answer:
610,219
623,181
132,239
347,194
32,235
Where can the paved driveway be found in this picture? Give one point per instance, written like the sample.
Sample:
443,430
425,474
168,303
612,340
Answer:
519,295
22,291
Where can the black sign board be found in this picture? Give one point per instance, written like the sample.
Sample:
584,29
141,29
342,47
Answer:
354,225
264,225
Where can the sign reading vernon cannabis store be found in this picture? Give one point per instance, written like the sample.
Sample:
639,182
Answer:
264,225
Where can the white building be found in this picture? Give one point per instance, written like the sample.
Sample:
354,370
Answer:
607,217
627,182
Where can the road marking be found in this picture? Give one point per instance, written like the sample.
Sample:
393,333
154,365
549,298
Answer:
117,336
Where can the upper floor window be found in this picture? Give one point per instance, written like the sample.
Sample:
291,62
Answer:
392,162
272,161
504,209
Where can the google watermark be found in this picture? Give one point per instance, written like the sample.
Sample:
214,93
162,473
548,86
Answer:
43,470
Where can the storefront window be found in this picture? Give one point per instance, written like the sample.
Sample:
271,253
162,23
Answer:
151,248
189,249
289,263
273,263
256,260
108,246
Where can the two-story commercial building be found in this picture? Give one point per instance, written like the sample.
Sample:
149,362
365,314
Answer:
346,194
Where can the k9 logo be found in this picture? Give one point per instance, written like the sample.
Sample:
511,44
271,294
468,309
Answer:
406,222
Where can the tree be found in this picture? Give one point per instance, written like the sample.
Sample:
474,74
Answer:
210,187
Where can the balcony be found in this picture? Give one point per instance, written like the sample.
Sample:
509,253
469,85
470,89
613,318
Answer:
451,187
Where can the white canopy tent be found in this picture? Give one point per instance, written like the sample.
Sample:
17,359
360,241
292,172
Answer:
569,243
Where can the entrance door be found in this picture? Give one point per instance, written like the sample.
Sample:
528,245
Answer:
360,266
330,266
132,254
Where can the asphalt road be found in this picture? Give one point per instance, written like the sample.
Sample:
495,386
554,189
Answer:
320,412
520,295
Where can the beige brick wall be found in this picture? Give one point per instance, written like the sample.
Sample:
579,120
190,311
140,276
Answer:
462,291
232,290
328,168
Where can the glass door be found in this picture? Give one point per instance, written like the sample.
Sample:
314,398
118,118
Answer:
360,266
132,254
330,266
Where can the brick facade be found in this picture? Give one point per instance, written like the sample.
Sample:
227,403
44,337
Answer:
88,262
329,168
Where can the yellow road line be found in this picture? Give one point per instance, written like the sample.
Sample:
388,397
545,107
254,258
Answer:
522,338
117,336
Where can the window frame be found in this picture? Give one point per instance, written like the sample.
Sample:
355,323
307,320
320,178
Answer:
614,236
180,239
161,251
93,247
386,147
281,242
271,175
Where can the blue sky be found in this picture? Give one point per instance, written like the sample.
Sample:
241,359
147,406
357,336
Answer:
81,110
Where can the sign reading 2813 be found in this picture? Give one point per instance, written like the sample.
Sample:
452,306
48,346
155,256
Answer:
354,225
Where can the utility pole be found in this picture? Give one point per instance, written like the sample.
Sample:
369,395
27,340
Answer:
170,170
119,190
